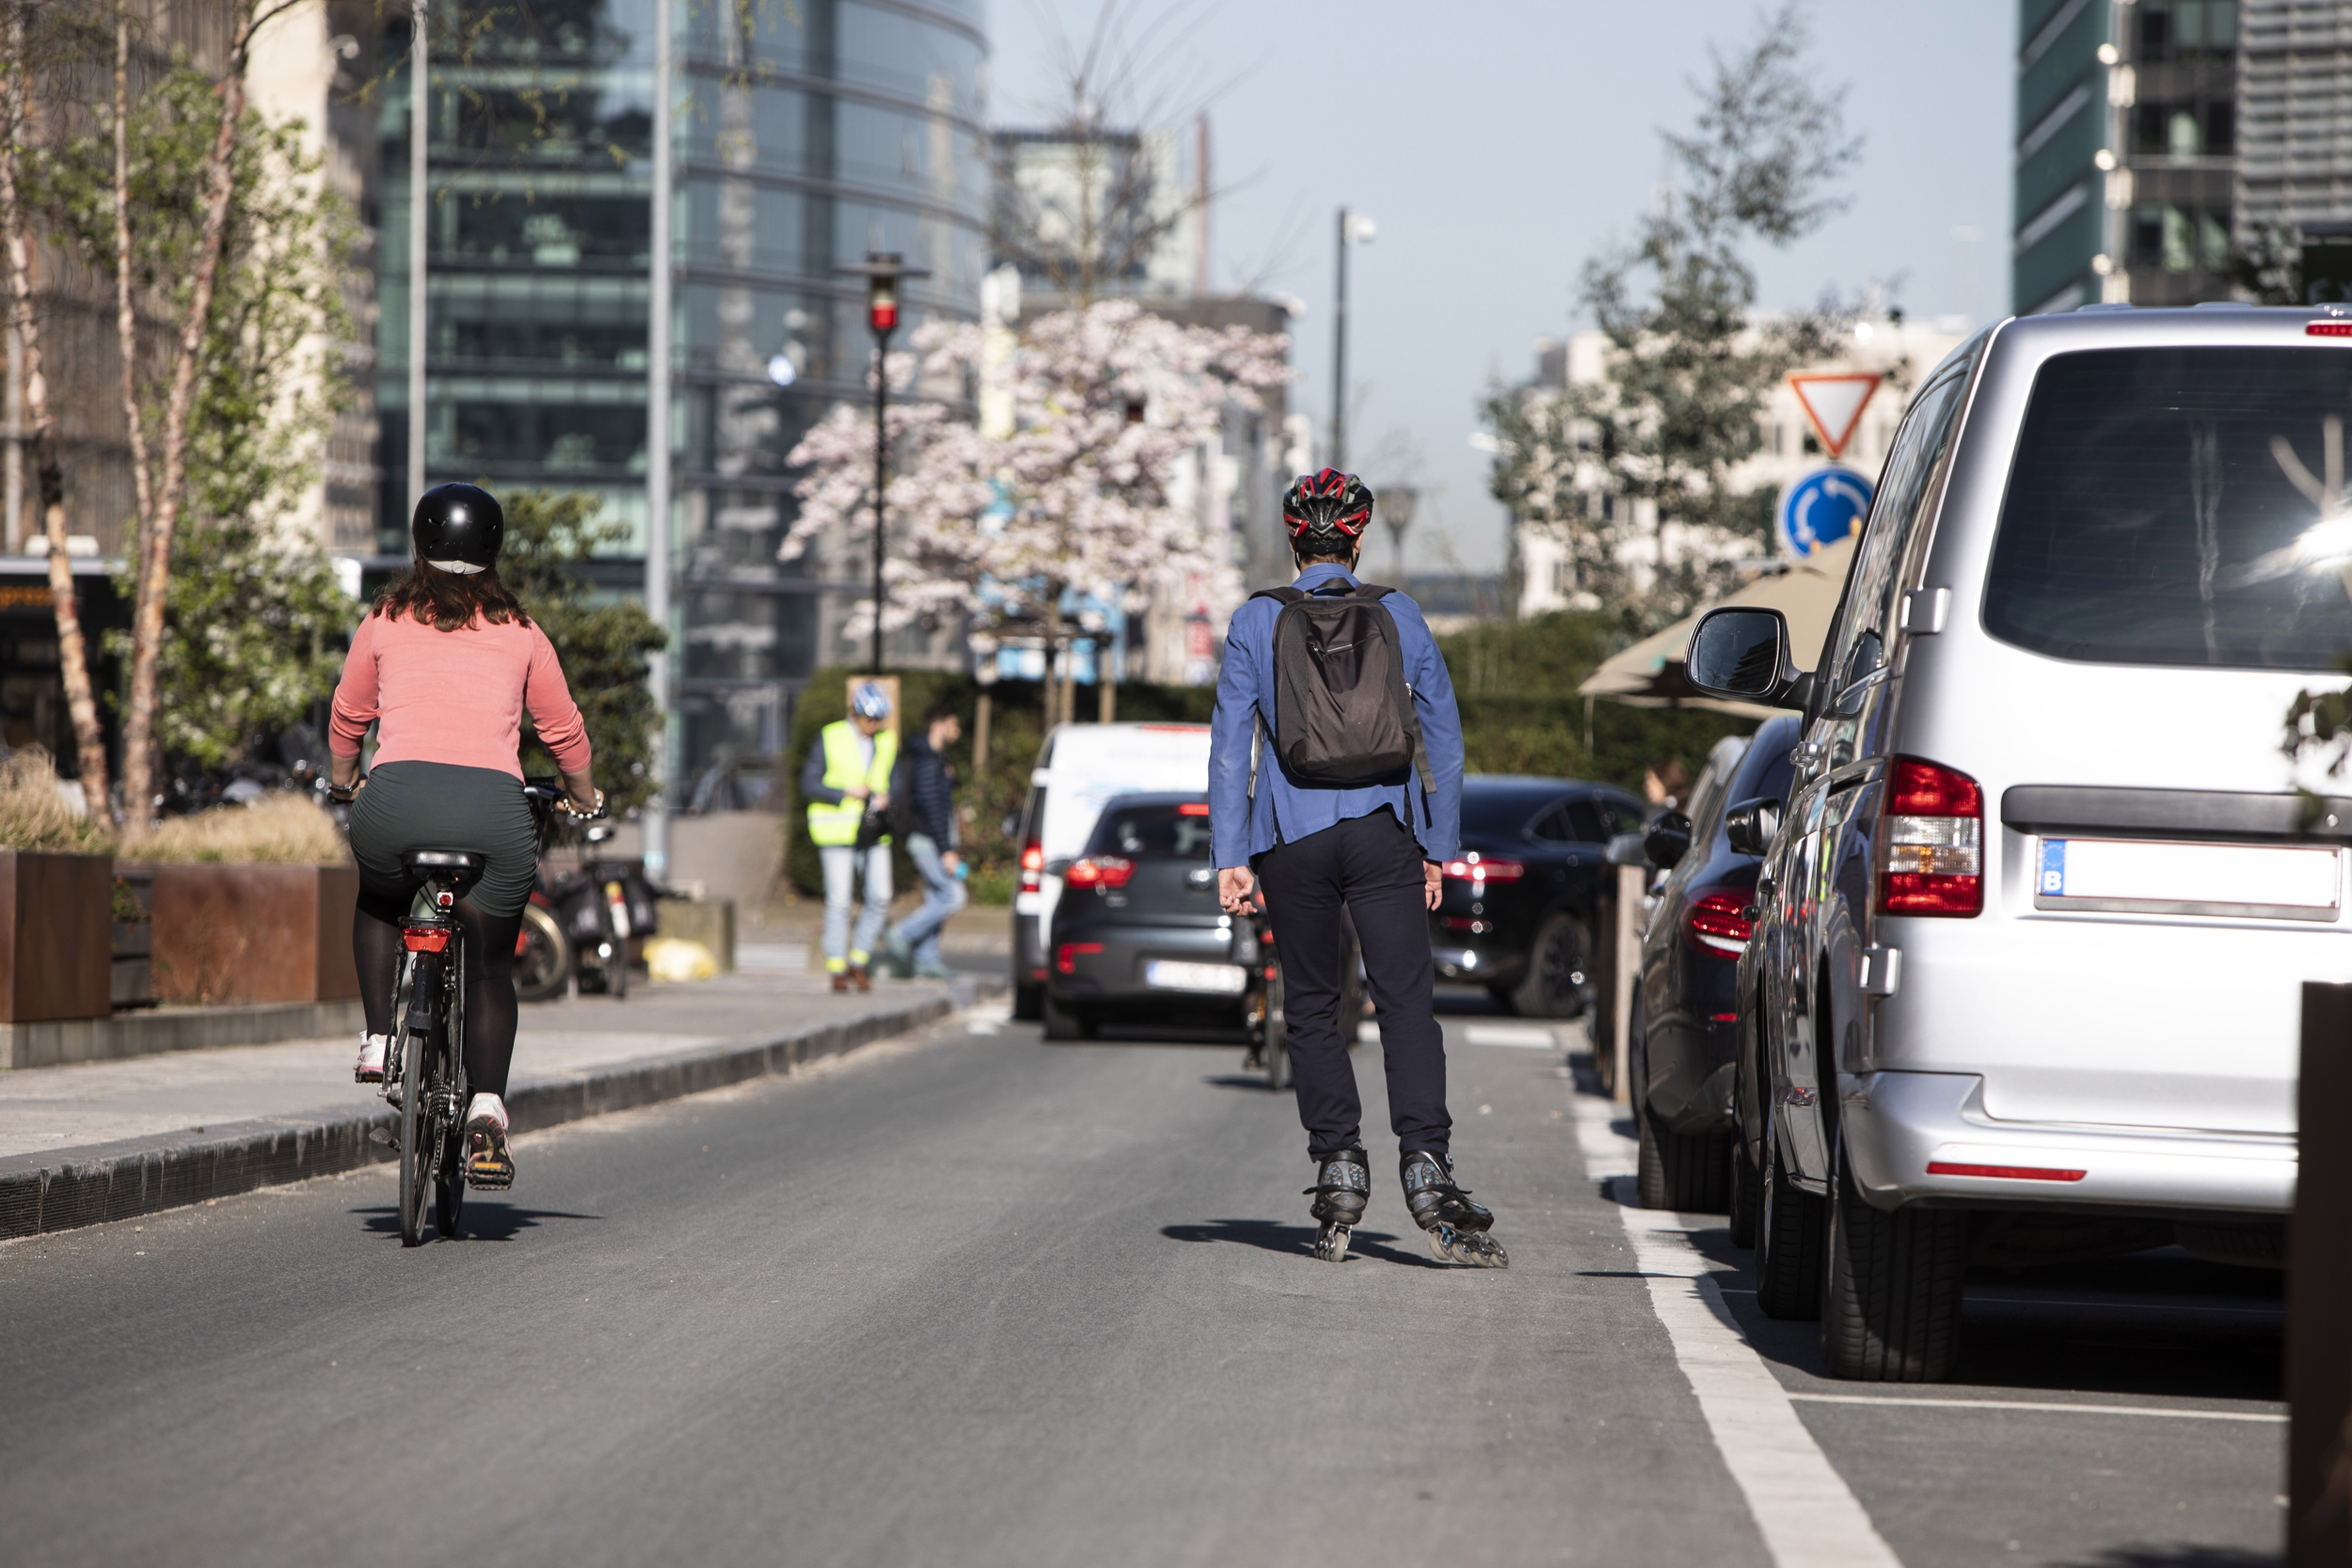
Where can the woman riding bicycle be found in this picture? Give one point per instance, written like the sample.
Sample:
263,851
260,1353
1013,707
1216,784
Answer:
445,664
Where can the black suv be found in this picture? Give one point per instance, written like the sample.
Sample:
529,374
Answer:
1518,912
1685,1030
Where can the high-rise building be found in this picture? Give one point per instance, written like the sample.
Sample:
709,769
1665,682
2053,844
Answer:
807,134
2128,146
2295,113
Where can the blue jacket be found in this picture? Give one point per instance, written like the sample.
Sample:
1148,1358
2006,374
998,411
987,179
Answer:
1286,812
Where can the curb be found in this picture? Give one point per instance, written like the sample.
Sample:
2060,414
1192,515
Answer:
68,1188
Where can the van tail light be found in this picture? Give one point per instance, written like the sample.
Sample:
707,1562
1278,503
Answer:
1475,868
1032,866
1932,833
1066,956
425,939
1099,871
1717,921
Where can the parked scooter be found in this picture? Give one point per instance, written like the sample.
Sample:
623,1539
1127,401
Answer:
584,925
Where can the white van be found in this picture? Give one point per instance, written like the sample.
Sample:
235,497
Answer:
1080,768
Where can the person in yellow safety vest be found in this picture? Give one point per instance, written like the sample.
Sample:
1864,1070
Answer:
847,775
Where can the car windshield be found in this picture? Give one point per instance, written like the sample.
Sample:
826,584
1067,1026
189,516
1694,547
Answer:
1166,833
1502,812
2180,506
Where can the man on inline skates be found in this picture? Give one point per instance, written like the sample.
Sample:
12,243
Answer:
1335,783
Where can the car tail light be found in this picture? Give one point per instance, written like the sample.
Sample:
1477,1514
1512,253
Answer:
1717,921
1066,956
1193,808
1473,867
1933,836
1032,866
1099,871
2329,329
425,939
2004,1173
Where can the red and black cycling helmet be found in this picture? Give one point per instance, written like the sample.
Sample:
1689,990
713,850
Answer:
1327,513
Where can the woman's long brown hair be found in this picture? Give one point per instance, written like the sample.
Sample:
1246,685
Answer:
449,601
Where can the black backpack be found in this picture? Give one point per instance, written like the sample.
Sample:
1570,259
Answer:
1344,715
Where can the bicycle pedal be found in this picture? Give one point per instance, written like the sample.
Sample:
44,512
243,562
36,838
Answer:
384,1136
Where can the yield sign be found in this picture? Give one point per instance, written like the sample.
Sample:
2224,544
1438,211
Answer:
1834,405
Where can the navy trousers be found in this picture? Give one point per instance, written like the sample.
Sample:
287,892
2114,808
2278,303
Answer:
1371,866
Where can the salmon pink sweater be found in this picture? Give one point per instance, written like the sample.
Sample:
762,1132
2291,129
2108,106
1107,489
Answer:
456,696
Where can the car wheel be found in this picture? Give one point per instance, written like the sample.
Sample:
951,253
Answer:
1686,1172
1065,1023
1891,1298
1556,969
1789,1222
1746,1196
1028,1003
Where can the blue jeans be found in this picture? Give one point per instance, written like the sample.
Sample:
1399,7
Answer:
943,895
841,870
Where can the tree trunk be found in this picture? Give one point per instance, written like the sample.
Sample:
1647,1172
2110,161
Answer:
1057,657
147,624
126,323
979,735
72,651
1105,684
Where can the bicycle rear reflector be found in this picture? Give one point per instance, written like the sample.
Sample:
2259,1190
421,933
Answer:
425,939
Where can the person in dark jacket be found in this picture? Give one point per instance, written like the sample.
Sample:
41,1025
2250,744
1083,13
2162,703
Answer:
925,790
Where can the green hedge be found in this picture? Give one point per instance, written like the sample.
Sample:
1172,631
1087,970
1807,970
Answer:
1515,681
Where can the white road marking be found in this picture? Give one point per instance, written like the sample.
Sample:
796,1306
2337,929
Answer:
2051,1404
1535,1036
1807,1515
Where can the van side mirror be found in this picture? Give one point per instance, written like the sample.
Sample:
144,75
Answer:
1752,825
1667,841
1742,653
1626,849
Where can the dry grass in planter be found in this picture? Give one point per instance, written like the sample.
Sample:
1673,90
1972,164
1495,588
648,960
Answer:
282,830
35,815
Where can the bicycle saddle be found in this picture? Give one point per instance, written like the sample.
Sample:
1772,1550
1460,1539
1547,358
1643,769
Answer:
457,867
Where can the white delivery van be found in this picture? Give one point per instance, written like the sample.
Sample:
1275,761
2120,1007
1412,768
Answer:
1079,768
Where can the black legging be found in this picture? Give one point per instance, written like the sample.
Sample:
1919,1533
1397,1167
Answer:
488,940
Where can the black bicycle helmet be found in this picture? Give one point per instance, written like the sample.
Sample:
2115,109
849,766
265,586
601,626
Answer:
458,526
1327,513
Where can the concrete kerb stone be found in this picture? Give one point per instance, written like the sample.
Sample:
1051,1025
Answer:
68,1188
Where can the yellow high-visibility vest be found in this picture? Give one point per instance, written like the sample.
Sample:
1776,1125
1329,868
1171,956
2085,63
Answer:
844,766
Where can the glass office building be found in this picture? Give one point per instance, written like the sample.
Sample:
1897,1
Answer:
806,133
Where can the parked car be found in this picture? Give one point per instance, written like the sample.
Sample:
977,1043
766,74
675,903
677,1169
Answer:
1517,914
1138,935
1078,768
1683,1038
2026,980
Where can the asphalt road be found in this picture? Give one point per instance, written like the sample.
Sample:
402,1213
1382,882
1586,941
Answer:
973,1299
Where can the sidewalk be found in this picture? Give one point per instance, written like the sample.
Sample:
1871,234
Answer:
103,1140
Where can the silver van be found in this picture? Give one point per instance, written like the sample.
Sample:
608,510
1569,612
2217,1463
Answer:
2023,983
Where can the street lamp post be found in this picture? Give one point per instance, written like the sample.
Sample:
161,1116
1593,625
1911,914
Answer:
1395,507
1354,228
883,270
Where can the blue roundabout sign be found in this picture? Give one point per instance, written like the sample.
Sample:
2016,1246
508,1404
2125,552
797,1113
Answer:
1822,507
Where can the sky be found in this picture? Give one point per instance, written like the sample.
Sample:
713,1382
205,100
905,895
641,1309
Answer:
1497,145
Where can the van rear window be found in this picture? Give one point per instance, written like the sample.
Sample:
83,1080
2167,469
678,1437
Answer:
2180,506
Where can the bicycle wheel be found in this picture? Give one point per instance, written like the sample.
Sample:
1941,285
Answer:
417,1040
449,1166
448,1180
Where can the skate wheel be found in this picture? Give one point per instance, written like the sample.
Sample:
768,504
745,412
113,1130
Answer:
1473,1247
1331,1247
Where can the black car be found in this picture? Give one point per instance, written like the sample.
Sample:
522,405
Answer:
1516,915
1683,1038
1137,932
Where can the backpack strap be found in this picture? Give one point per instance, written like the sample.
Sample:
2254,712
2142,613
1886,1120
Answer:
1285,596
1374,593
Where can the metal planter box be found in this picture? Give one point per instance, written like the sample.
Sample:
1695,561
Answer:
56,930
253,933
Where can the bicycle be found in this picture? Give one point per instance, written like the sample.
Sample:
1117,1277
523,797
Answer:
426,1058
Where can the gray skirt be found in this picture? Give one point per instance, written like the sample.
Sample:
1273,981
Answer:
438,805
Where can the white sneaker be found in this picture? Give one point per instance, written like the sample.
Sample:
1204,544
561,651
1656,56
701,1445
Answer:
486,1110
489,1164
369,1068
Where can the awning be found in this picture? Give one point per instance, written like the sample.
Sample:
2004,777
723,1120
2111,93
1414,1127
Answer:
1649,673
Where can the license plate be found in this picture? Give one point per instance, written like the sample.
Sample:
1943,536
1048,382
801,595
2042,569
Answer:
2140,877
1171,976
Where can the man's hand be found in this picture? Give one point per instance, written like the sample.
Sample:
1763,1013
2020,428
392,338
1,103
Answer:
1236,888
882,799
1433,882
854,792
948,860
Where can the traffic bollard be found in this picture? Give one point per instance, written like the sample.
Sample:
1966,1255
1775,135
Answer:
2319,1289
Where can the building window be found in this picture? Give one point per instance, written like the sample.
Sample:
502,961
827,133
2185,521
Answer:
2180,239
2184,129
2175,29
